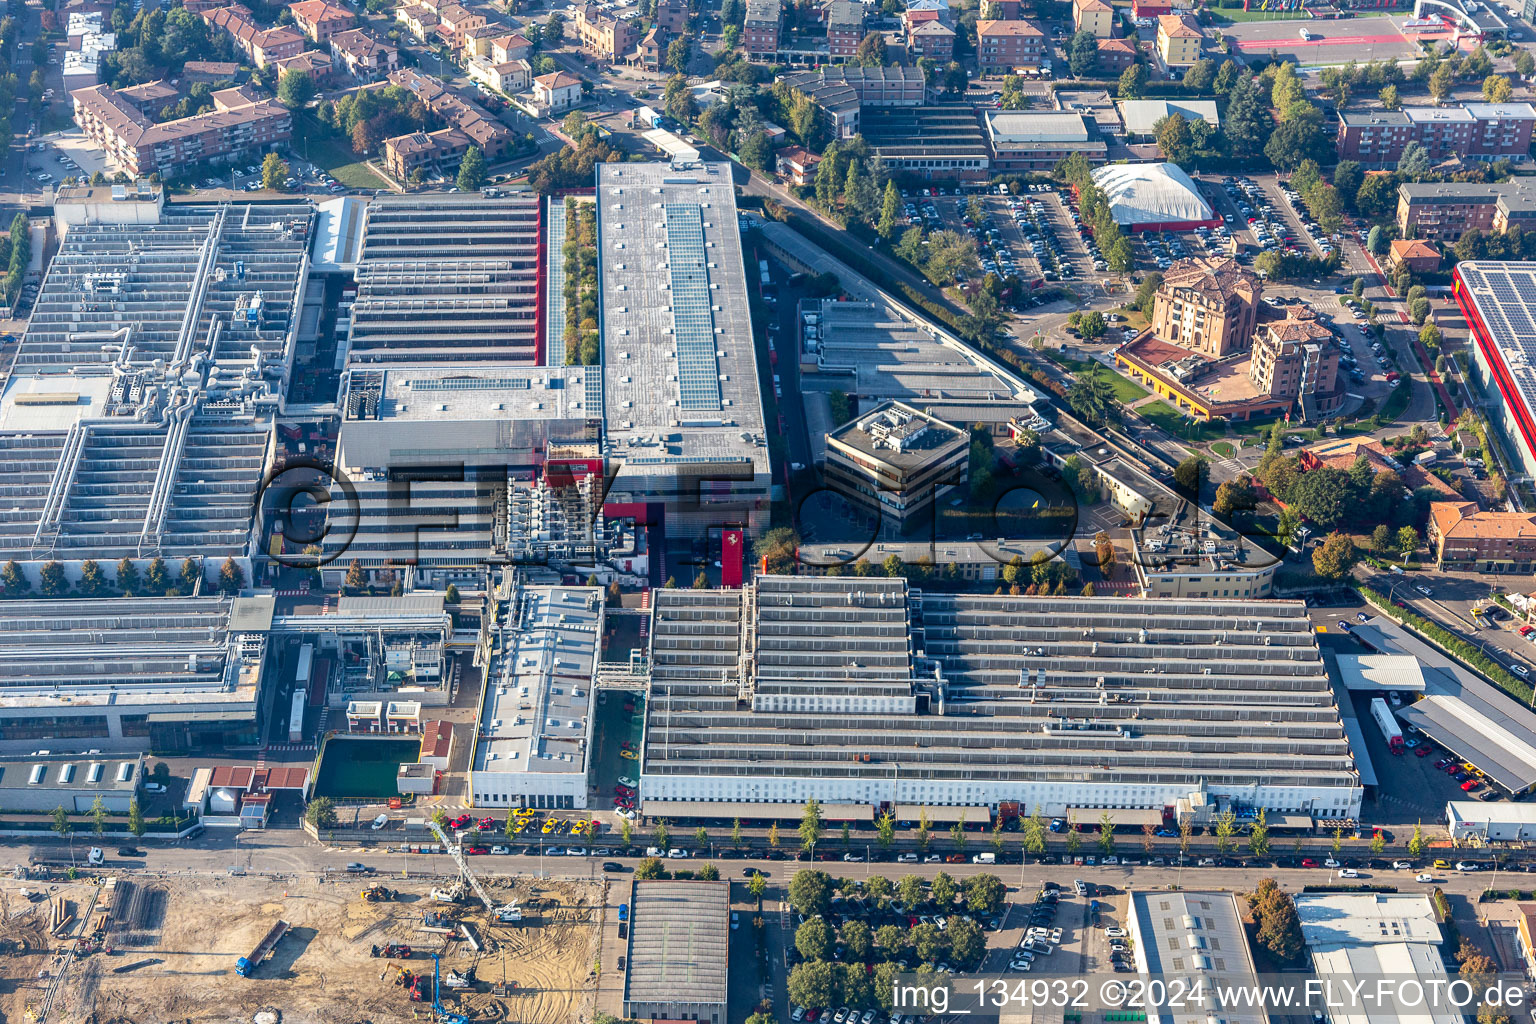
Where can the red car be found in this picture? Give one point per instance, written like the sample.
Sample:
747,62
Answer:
461,821
478,849
486,824
1423,752
1469,785
625,745
1309,863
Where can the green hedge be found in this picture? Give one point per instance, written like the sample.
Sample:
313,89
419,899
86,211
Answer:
1452,644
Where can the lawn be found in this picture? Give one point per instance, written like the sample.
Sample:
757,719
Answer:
327,151
1224,449
1173,421
1126,390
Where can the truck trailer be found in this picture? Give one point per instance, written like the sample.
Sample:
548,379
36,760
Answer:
246,964
1390,730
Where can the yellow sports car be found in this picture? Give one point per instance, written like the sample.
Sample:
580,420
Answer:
629,754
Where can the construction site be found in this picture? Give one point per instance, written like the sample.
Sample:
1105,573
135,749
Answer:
340,950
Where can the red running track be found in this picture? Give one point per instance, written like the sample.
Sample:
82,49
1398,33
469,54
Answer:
1270,44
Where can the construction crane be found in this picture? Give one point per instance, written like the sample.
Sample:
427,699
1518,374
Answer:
440,1012
508,912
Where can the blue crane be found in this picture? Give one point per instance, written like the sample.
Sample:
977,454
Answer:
439,1011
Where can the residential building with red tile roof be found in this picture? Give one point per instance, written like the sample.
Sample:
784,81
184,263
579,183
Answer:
1002,46
1465,537
239,125
320,20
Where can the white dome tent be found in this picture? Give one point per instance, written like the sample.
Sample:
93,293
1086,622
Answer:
1154,197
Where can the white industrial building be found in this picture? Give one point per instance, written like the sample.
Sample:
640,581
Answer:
1372,935
1194,935
683,407
535,732
860,691
1491,820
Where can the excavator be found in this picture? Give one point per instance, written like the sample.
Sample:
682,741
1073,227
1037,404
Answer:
378,894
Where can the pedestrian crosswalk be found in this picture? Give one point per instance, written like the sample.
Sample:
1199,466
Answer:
286,748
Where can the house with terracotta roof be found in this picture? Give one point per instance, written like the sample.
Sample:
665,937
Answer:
320,20
459,23
1115,55
557,92
240,125
1463,536
509,77
317,64
1294,357
209,71
608,38
1002,46
1178,40
931,39
797,164
262,46
1094,16
1417,255
437,744
513,47
365,56
419,20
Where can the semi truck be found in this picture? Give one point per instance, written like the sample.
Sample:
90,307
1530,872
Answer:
246,964
649,117
1390,730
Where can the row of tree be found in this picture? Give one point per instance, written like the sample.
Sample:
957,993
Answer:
156,579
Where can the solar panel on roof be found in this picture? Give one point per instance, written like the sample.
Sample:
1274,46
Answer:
698,375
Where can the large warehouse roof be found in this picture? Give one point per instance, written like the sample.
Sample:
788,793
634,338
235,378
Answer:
678,940
906,698
1146,194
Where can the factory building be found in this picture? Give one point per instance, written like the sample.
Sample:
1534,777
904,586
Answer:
41,782
897,461
137,419
860,691
127,673
1496,299
679,944
683,408
536,710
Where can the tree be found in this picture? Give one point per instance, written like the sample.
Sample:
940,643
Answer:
810,892
1226,827
321,813
92,582
1092,397
773,835
295,88
1440,83
1381,539
813,939
1407,540
51,580
777,548
701,836
1249,124
1258,836
891,939
1416,845
127,576
878,888
1082,53
679,52
1190,474
943,889
662,834
136,823
922,833
1429,336
1132,81
626,832
1092,325
1034,833
984,894
1496,89
1228,75
1327,206
811,984
1413,163
1286,88
1292,140
957,833
810,825
649,868
757,885
1200,75
13,580
231,577
274,172
1279,928
929,942
859,939
1525,64
61,822
98,815
967,944
1234,495
1418,310
885,829
891,223
1107,833
871,51
1334,557
471,170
